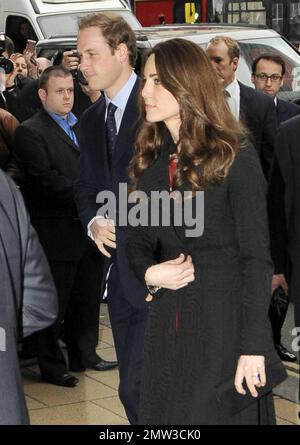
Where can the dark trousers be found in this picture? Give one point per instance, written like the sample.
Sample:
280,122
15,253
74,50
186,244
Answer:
128,327
78,286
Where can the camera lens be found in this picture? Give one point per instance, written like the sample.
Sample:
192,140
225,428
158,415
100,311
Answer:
6,65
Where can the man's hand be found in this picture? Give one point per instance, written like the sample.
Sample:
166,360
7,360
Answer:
70,61
279,280
172,274
252,369
104,233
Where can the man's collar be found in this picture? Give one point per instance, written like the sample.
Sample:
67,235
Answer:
232,87
70,118
121,98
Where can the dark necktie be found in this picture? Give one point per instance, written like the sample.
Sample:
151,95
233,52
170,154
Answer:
111,130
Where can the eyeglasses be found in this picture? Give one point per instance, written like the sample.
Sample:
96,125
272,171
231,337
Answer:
263,77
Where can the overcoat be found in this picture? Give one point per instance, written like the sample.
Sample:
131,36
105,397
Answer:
28,300
195,335
284,208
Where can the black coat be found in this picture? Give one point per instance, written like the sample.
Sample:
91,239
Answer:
222,314
28,300
48,160
96,176
258,114
285,110
284,207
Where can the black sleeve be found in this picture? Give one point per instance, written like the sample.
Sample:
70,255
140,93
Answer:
247,190
86,188
41,177
270,128
141,248
277,219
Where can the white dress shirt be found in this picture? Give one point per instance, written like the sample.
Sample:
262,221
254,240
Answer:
233,98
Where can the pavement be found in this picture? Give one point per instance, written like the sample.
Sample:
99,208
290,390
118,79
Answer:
95,401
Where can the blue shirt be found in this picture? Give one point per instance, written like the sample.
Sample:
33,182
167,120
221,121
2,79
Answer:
66,124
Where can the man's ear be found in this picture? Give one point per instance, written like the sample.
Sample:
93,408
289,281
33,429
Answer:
235,62
42,94
123,52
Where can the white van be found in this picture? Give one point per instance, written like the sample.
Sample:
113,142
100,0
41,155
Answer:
54,18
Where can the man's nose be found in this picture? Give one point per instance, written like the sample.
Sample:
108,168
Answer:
268,81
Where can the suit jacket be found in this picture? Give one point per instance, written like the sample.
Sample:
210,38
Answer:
48,160
284,203
28,300
285,110
258,114
95,176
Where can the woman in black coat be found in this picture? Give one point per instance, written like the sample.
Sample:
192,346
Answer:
208,338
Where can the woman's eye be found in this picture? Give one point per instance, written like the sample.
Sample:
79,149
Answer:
156,81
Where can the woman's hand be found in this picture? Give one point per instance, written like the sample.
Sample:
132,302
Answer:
173,274
10,78
252,369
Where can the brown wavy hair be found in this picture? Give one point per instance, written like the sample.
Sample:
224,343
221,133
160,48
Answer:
209,135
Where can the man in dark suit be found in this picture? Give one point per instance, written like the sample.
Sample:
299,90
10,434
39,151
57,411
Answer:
268,71
46,148
253,108
284,211
267,75
26,305
107,48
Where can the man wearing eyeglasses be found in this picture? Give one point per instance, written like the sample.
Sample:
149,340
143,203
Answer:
267,75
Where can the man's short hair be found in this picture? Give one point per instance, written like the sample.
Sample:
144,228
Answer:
52,71
114,29
232,45
272,58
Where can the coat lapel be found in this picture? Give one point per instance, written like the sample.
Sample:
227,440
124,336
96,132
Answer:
59,132
99,138
126,135
243,102
161,182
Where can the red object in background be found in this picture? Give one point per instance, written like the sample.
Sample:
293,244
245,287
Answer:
151,12
204,11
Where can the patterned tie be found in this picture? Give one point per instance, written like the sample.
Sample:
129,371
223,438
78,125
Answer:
111,130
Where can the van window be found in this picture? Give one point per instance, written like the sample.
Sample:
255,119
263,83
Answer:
19,29
66,24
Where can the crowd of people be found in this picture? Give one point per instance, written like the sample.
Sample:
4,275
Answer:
196,339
